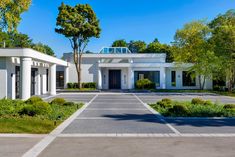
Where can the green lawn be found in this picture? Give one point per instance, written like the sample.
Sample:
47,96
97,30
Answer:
35,117
196,108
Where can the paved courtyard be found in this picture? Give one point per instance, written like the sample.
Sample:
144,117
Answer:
122,124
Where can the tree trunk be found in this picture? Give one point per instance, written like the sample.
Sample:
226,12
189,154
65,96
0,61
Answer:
80,71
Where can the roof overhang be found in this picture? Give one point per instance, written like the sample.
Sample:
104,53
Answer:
120,56
27,52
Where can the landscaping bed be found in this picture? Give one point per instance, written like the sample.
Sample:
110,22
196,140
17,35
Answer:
34,115
196,108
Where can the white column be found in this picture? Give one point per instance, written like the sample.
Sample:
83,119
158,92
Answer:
99,79
38,82
25,78
163,78
52,79
66,76
130,78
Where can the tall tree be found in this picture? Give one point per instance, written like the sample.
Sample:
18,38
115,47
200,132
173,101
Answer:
157,47
223,39
119,43
191,45
137,46
78,24
10,11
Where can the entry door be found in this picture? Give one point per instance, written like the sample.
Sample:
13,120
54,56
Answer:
33,80
114,79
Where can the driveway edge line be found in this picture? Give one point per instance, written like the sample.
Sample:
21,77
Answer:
157,114
40,146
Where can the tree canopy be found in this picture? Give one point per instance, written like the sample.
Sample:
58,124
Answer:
10,11
137,46
120,43
78,24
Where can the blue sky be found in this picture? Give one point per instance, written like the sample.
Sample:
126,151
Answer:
121,19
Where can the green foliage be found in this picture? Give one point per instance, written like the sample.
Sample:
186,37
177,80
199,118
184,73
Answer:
229,106
137,46
188,109
145,84
191,46
223,41
70,85
78,24
167,100
10,11
33,100
164,104
89,85
58,101
43,48
69,104
37,108
120,43
197,101
10,107
179,110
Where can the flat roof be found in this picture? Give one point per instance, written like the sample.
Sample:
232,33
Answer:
126,55
27,52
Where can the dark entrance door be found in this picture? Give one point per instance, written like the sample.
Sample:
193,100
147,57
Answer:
33,80
114,79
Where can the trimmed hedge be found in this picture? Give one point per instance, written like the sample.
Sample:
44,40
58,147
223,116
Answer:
145,84
37,108
84,85
33,100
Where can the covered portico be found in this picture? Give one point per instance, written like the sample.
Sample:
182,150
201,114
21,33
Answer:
30,73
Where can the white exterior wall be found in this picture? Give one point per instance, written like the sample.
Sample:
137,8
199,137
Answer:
179,80
3,78
89,71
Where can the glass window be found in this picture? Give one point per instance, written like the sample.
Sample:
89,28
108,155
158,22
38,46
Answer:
153,76
189,78
173,78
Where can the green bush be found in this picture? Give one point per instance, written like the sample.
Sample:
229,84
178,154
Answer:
197,101
33,100
179,110
10,107
163,104
145,84
70,85
69,104
37,108
58,101
89,85
207,102
167,100
75,85
229,106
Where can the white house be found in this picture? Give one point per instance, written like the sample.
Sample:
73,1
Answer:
25,72
118,68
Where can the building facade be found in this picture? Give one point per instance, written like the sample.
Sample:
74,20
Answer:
25,72
118,68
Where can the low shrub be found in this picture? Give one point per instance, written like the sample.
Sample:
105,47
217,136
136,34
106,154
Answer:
75,85
58,101
197,101
163,104
10,107
167,100
89,85
37,108
179,110
145,84
69,104
229,106
70,85
33,100
207,102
